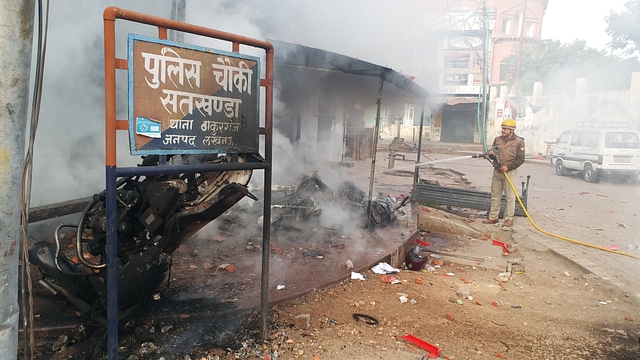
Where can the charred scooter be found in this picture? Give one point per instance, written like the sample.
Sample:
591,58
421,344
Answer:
155,214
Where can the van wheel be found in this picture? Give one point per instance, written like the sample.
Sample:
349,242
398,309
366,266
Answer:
589,174
560,170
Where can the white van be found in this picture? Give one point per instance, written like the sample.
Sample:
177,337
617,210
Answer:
598,151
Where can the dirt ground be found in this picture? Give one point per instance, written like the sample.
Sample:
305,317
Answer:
547,309
480,303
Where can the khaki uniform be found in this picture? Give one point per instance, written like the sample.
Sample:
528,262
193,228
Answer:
511,156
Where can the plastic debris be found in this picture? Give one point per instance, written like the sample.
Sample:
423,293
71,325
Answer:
356,276
433,350
280,287
403,299
423,243
504,246
384,268
349,264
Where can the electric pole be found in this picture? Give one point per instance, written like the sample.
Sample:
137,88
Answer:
16,36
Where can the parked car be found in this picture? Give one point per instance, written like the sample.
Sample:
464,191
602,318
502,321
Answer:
598,151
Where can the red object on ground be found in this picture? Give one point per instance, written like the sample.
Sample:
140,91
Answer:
433,350
423,243
503,245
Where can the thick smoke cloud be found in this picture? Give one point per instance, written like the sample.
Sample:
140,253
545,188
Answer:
69,150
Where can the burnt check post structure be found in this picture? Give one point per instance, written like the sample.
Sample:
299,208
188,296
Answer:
184,99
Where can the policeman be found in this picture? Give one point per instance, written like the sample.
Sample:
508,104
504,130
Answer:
505,161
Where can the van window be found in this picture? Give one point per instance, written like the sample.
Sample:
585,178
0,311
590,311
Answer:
621,140
592,139
564,138
578,138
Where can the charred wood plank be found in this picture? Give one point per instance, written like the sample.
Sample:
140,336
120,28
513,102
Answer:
51,211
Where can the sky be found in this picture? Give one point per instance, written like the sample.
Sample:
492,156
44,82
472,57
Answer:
560,23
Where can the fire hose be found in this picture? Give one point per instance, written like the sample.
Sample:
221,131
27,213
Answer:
513,188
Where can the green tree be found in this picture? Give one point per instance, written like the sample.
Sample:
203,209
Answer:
558,65
624,28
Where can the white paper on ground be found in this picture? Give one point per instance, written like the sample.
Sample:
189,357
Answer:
384,268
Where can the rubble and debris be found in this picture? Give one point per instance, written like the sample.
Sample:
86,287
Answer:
384,268
227,267
504,246
61,343
302,321
357,276
368,319
433,350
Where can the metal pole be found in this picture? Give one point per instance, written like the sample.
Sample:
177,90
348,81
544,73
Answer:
266,223
416,172
485,75
110,179
376,133
16,37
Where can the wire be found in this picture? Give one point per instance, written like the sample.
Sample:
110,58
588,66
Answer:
562,237
27,176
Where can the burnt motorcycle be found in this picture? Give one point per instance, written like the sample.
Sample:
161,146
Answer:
155,214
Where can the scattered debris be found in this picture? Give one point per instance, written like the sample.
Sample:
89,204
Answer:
433,350
61,343
302,321
227,267
357,276
384,268
501,244
369,320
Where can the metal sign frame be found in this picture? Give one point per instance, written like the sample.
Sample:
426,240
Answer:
111,64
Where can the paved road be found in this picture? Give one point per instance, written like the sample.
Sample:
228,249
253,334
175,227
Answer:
603,214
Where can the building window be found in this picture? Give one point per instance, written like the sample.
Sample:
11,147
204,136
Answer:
506,71
519,23
531,28
456,61
506,26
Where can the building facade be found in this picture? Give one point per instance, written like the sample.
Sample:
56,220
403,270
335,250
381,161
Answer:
462,48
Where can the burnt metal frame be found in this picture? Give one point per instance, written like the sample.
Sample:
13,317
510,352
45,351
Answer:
111,64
